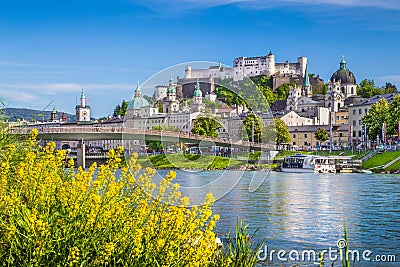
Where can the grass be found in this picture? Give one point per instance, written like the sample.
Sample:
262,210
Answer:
381,159
189,161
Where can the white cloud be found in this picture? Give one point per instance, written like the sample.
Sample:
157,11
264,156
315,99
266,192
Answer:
17,96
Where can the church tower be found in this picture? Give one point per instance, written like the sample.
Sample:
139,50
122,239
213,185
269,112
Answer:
198,105
307,89
294,95
54,115
82,110
170,104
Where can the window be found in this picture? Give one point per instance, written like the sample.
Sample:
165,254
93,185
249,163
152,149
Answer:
354,133
359,133
359,111
305,135
294,135
340,134
366,111
354,112
294,143
354,123
305,143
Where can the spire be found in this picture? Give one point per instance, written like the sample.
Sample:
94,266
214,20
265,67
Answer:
83,99
343,63
138,92
270,53
306,80
306,84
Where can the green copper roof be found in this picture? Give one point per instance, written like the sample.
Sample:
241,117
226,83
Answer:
171,87
342,64
306,81
197,91
83,94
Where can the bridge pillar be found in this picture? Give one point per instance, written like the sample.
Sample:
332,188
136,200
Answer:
80,154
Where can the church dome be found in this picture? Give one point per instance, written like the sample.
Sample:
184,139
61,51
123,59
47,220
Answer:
343,75
138,101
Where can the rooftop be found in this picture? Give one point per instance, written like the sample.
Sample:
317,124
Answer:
376,98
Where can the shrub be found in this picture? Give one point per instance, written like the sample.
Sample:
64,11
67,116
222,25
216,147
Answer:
56,216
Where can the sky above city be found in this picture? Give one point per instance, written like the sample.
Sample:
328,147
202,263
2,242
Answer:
50,50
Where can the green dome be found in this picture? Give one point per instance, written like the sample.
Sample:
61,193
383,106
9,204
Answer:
138,103
197,91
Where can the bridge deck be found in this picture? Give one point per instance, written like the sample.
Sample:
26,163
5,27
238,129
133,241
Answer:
113,133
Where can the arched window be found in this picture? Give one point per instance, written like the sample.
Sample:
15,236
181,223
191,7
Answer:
352,90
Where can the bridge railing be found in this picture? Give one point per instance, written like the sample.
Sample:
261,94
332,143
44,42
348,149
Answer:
121,130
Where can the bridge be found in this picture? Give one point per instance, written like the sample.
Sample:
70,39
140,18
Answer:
81,134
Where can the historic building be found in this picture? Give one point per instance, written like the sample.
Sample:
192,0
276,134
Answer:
341,86
170,103
357,111
82,110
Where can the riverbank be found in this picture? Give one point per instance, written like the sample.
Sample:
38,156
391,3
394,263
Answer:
198,162
384,162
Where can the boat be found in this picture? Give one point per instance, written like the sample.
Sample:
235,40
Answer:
299,163
324,165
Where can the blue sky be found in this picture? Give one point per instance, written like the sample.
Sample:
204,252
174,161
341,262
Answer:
51,49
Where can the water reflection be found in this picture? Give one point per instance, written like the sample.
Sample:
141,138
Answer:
308,210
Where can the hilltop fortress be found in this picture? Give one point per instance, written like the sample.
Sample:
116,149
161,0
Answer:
281,73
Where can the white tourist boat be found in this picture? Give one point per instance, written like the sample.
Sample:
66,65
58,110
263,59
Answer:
299,163
324,165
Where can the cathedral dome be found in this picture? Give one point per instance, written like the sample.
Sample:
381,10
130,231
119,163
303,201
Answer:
138,101
343,75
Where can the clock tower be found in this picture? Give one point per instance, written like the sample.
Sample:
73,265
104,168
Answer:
82,110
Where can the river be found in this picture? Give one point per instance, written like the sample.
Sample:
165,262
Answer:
305,211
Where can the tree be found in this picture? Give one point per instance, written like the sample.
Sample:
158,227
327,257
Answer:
389,88
206,125
321,135
393,117
120,110
368,89
250,123
376,116
282,132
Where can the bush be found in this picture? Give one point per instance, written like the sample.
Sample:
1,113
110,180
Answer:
56,216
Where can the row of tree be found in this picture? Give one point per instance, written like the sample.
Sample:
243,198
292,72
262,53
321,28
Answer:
252,129
367,88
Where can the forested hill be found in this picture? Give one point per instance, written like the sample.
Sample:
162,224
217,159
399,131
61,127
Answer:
13,114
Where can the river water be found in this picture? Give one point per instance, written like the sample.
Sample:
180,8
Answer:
305,211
